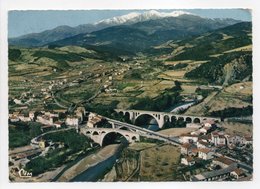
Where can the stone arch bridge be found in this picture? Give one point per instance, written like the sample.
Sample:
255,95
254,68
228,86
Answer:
99,134
162,117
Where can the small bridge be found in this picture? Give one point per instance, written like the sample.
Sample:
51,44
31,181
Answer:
162,117
104,135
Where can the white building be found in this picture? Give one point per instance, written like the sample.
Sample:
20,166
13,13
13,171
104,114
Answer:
205,153
93,120
205,130
188,138
218,139
32,115
59,124
46,120
188,160
72,121
233,139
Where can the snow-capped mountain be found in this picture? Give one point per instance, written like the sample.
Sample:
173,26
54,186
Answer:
134,17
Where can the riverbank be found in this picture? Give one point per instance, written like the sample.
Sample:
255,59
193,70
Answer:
89,162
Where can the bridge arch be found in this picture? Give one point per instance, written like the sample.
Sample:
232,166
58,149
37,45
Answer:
113,137
196,120
180,118
188,120
173,119
95,133
121,113
166,118
145,119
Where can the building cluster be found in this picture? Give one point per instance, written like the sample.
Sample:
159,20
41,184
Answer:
56,118
204,144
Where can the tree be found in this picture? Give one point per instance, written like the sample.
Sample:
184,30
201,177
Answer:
35,129
177,85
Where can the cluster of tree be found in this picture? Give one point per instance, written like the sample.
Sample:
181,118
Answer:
103,109
203,92
233,112
21,133
71,140
14,54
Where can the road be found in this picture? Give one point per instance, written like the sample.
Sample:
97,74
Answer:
34,141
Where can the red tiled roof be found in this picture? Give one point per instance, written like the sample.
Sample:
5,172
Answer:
224,160
189,158
248,138
204,150
195,150
238,171
186,145
203,143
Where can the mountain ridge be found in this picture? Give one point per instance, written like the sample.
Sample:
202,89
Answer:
62,32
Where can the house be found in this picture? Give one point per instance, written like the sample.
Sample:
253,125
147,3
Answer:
203,144
188,138
205,153
46,120
188,160
43,144
209,123
93,120
222,161
234,139
59,124
238,173
32,115
73,121
186,149
14,118
82,110
218,139
25,119
205,130
248,140
197,132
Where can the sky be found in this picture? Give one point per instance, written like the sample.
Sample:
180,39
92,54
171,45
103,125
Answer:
33,21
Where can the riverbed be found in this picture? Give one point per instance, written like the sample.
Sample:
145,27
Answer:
92,167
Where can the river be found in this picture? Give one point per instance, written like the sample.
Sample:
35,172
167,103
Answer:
93,167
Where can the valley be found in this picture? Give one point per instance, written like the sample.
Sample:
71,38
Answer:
82,78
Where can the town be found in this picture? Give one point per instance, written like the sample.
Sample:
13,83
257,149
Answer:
160,96
208,153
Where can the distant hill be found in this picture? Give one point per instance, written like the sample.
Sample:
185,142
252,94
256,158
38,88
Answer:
129,39
61,32
58,33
